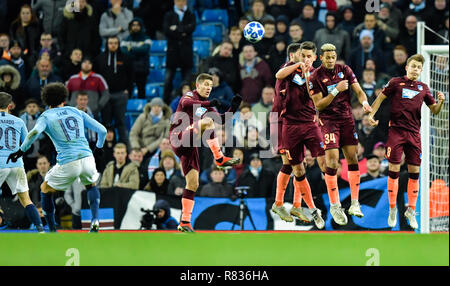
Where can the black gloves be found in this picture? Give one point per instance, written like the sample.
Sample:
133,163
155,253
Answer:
235,102
214,102
14,156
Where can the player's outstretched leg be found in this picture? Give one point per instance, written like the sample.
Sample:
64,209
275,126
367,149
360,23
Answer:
93,196
31,211
282,181
392,187
187,202
48,206
413,192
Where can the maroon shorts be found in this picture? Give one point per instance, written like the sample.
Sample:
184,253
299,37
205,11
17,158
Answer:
276,133
188,154
337,134
297,137
399,141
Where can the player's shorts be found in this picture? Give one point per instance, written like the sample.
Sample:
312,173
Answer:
337,134
297,137
61,177
15,178
276,133
399,141
188,154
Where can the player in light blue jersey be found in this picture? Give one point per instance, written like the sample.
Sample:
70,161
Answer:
65,127
12,133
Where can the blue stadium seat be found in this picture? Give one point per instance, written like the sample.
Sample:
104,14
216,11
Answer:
163,61
155,62
158,47
135,92
209,30
202,47
153,90
156,76
130,118
215,16
136,105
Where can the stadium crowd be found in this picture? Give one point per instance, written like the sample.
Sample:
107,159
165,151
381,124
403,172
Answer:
101,52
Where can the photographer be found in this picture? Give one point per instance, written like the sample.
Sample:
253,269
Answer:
160,216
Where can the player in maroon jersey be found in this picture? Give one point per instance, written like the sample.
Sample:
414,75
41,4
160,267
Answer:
299,128
192,119
407,95
331,95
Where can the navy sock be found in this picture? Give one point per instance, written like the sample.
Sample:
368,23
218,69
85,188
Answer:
48,208
93,196
33,215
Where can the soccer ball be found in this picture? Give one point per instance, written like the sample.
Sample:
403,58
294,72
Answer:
254,32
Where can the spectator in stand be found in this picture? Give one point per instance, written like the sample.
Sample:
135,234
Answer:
255,75
379,149
179,24
366,49
158,183
370,24
79,30
295,33
394,12
153,162
255,141
389,25
48,46
368,82
114,22
184,87
39,79
419,8
218,187
258,13
35,178
322,7
373,169
72,65
108,150
408,35
359,10
443,32
172,170
82,103
224,61
267,43
137,47
366,135
237,40
117,70
87,81
398,68
17,60
278,8
308,22
347,22
381,78
4,46
264,106
120,172
30,117
261,181
281,25
243,21
151,127
243,120
163,219
221,90
277,57
52,14
437,20
26,29
10,83
335,35
137,157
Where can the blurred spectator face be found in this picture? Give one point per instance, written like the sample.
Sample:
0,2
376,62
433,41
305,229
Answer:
15,51
242,23
217,176
115,2
400,57
7,78
309,160
185,88
159,178
348,15
416,2
168,163
76,56
164,145
295,32
358,112
255,163
281,27
368,76
258,8
43,165
411,23
245,113
365,123
113,45
249,52
384,13
280,46
110,135
82,101
32,108
25,15
370,65
135,27
370,21
136,156
46,41
373,165
380,152
269,31
156,109
439,4
237,153
366,42
216,80
120,154
82,4
44,67
308,12
4,42
180,3
86,67
253,134
331,22
235,35
268,93
226,50
45,55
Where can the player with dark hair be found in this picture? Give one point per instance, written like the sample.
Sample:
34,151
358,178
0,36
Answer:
12,132
190,121
65,127
407,95
331,95
299,129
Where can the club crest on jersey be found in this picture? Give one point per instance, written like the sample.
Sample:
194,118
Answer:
341,75
189,93
420,87
298,79
355,135
200,111
311,85
408,93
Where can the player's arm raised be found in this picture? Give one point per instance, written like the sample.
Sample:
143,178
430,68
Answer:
375,106
286,71
322,102
98,128
29,139
436,108
362,97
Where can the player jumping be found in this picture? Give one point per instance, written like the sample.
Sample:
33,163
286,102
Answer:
190,121
12,132
407,95
331,95
299,129
65,127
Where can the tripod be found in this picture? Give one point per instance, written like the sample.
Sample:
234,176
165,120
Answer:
243,208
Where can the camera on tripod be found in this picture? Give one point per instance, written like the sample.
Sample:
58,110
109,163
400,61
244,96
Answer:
241,192
148,218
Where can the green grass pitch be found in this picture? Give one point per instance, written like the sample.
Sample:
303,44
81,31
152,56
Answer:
224,249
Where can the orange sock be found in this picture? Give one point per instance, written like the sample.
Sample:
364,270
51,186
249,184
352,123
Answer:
354,180
332,185
392,186
297,195
187,207
303,185
282,182
215,147
413,190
